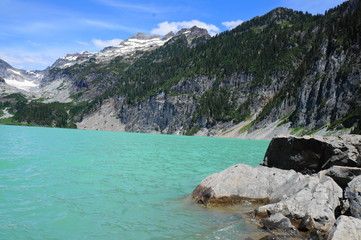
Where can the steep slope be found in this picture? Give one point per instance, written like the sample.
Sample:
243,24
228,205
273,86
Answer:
326,87
286,71
84,76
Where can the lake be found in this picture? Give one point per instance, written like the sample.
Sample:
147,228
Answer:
78,184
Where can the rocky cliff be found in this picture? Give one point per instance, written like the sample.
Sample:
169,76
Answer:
284,72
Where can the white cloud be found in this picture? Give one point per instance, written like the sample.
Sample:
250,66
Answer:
232,24
165,27
106,43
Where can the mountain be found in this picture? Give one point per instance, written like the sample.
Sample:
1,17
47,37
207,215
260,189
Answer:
21,79
284,72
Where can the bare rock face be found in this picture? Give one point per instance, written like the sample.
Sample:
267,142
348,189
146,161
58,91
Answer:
342,175
313,154
346,228
353,194
290,193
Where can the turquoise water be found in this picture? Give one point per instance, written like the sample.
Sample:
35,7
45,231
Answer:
75,184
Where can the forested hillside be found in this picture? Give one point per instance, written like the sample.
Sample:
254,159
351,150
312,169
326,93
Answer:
289,67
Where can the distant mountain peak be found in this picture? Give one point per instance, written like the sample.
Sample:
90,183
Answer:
192,34
142,36
169,35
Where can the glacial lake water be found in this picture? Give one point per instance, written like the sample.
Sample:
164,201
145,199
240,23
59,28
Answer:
76,184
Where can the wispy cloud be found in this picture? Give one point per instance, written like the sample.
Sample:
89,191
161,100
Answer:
29,60
165,27
82,43
110,26
100,44
34,44
131,6
312,6
33,27
232,24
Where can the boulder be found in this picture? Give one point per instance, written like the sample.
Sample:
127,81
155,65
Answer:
342,175
311,196
353,194
287,192
311,154
242,182
278,222
345,228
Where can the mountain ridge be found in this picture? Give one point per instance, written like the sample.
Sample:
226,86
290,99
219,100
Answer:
293,71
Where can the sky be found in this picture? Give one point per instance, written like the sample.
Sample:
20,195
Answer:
34,33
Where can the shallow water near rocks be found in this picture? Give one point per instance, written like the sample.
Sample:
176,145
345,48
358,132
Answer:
76,184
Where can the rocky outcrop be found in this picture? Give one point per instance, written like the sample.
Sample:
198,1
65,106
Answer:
291,200
312,154
342,175
346,228
292,194
353,195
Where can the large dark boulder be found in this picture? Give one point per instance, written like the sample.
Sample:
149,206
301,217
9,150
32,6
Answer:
312,154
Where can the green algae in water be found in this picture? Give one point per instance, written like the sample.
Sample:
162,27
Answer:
74,184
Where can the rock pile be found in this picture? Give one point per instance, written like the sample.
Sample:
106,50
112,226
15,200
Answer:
307,185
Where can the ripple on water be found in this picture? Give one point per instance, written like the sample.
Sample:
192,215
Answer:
71,184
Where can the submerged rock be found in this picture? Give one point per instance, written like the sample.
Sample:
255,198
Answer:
353,194
312,154
346,228
287,192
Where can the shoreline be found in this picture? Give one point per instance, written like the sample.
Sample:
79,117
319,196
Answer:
307,187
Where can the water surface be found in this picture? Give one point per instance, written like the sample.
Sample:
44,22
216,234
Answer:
76,184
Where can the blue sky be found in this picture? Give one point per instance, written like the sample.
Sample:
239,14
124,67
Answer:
34,33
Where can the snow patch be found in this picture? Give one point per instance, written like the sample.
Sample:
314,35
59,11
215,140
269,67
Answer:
14,72
23,85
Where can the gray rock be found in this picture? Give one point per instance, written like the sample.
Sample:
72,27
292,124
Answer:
312,154
242,182
278,222
353,194
342,175
345,228
313,196
293,194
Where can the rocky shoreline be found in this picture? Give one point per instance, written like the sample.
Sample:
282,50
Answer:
308,188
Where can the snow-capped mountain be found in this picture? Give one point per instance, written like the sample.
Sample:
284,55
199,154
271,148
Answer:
128,48
57,84
20,79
